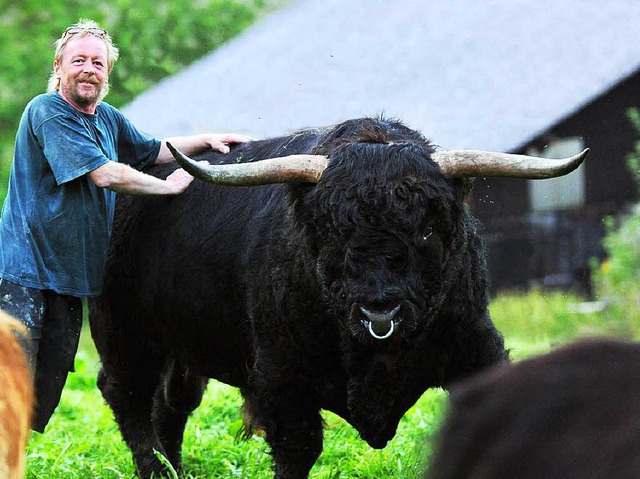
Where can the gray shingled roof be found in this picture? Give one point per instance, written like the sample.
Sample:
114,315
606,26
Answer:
487,74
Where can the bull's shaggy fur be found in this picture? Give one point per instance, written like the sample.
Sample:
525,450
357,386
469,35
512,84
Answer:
264,288
572,414
16,399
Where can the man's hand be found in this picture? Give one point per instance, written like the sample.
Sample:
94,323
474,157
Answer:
221,141
179,181
194,144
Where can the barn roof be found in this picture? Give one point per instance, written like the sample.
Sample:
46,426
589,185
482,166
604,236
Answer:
468,74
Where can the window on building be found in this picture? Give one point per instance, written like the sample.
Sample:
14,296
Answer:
558,193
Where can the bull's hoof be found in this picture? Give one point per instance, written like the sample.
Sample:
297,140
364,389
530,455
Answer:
154,469
290,471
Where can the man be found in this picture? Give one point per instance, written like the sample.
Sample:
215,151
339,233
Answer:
72,153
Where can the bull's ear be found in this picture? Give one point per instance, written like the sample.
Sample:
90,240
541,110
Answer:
297,197
463,188
300,200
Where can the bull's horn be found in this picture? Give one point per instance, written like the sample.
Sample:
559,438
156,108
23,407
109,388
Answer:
285,169
468,163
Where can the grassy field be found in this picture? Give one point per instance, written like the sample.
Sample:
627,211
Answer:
83,442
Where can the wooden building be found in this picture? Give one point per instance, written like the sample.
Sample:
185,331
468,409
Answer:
540,76
548,232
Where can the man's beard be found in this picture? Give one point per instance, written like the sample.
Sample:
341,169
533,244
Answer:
88,99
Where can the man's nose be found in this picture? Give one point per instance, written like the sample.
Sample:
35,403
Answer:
88,67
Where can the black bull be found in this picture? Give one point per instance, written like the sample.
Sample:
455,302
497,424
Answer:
353,292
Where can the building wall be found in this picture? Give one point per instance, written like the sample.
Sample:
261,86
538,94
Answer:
554,247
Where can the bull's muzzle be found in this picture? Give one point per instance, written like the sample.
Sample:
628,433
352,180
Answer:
380,324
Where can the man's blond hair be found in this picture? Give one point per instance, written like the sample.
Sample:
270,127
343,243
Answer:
61,43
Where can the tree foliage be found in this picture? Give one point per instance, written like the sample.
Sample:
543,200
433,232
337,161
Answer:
633,158
156,38
617,277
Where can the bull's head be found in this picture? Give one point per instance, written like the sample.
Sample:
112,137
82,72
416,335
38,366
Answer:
385,259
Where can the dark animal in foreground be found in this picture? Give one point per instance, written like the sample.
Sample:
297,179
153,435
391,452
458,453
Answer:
353,286
570,414
16,399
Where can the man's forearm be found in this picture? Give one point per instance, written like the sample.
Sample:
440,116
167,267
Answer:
121,178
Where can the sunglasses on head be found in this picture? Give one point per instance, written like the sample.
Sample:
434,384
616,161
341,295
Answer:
98,32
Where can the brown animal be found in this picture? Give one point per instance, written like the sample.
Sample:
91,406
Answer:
16,399
572,414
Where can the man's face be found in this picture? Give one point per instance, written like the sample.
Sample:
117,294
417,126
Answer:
83,72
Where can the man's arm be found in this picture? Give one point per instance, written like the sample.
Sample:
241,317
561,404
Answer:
197,143
122,178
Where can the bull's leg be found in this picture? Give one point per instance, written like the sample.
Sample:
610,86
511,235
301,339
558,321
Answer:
293,428
282,402
295,446
179,395
128,380
130,395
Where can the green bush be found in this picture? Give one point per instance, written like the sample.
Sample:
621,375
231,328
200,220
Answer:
617,278
156,38
633,158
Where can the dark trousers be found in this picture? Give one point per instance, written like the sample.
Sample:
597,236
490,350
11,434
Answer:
54,322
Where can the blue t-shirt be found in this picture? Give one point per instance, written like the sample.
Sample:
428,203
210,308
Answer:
55,222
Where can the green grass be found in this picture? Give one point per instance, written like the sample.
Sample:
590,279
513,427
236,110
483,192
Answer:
82,440
536,321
